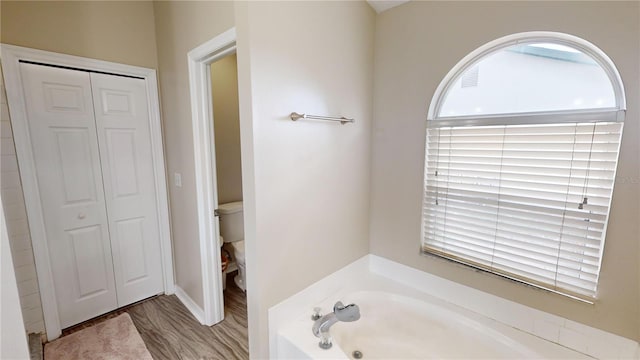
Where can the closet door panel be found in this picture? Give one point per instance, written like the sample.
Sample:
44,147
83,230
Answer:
122,120
63,138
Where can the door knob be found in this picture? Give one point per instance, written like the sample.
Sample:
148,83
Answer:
81,216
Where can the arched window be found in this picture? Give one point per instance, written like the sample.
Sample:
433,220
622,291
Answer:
522,145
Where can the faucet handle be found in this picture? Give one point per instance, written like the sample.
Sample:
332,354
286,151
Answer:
317,313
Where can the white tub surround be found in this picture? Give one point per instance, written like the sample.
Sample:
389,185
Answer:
405,298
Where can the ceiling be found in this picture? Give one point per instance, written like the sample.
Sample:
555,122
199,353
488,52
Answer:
383,5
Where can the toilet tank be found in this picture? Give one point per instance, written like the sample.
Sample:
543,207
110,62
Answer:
231,221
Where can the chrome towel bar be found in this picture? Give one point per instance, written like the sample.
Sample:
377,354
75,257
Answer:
343,120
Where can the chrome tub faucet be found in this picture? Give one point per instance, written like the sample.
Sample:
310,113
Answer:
341,312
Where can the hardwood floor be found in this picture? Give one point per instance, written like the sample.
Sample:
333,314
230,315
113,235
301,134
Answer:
171,332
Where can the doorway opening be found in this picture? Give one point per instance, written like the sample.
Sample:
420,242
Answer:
228,167
214,107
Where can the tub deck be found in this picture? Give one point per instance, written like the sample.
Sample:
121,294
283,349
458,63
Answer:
408,314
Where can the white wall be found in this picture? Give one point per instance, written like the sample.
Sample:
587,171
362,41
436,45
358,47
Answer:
180,27
416,45
13,337
117,31
17,225
226,123
306,184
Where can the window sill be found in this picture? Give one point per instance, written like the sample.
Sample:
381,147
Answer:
502,276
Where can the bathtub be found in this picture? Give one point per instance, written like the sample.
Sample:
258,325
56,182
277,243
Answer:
410,315
394,326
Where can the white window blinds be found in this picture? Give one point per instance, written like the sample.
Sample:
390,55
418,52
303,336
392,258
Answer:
529,202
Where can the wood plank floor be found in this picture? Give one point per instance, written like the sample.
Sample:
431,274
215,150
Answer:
171,332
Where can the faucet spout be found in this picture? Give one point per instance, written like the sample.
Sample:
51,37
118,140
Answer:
341,312
322,325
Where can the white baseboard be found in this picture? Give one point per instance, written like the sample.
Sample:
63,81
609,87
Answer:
195,310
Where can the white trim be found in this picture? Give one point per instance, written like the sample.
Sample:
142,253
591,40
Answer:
523,38
191,305
572,116
161,185
203,141
11,56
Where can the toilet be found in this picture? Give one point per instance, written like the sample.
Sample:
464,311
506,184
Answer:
232,233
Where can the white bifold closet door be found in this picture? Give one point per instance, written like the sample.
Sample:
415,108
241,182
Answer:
91,143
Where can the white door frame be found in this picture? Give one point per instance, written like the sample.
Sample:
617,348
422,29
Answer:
200,60
11,57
